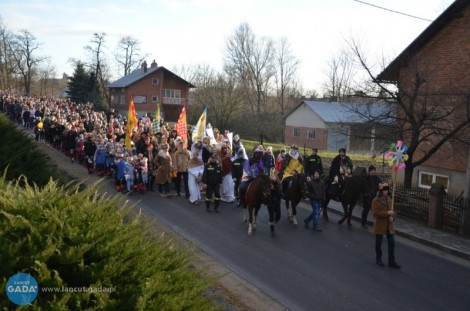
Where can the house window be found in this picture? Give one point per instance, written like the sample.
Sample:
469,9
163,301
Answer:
426,179
119,100
139,99
296,132
154,99
169,93
155,81
311,134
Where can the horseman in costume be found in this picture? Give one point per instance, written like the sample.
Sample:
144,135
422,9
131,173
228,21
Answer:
341,169
251,168
292,164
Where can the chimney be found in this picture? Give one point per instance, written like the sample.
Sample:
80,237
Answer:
154,64
144,66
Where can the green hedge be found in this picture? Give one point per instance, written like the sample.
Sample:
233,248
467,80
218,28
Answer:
66,237
19,155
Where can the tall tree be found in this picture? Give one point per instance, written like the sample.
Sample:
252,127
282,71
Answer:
6,59
23,48
218,91
340,73
128,55
100,70
82,86
250,60
47,82
286,73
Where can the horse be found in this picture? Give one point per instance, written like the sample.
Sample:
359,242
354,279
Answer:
252,198
348,195
293,194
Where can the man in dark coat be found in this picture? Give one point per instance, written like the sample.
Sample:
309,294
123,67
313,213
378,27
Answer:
373,182
341,167
313,163
212,178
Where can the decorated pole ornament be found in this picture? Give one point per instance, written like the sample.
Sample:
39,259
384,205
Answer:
398,157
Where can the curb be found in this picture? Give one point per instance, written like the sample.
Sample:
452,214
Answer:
415,238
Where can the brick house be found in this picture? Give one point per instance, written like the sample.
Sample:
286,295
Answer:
440,57
333,125
147,86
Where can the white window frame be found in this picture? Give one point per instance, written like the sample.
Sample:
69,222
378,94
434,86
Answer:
155,81
434,176
154,99
309,136
296,132
171,93
139,99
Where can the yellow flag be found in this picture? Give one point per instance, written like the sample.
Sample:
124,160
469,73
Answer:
131,123
199,129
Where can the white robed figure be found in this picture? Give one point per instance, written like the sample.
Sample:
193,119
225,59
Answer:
195,170
227,189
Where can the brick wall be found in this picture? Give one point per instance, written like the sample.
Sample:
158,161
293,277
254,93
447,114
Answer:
145,87
444,62
320,141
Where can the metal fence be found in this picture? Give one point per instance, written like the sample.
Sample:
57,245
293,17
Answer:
414,204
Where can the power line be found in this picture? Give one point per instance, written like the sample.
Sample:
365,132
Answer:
393,11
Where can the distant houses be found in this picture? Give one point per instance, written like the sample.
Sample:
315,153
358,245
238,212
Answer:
333,125
149,86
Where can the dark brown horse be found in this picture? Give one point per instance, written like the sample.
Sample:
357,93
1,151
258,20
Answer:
354,187
294,193
258,190
348,195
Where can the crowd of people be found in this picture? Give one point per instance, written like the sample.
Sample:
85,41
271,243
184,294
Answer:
160,160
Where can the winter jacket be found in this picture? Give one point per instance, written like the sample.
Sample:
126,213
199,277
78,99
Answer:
380,206
316,189
212,174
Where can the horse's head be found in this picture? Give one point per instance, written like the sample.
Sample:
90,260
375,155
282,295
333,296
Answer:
266,184
299,182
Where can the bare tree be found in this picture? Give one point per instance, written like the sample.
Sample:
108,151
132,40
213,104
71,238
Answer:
220,92
128,55
47,82
428,120
6,59
286,73
100,68
340,74
250,60
23,47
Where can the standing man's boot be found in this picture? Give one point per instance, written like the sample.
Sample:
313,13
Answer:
216,205
208,206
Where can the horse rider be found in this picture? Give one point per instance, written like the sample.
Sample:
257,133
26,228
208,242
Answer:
313,163
341,168
251,169
292,164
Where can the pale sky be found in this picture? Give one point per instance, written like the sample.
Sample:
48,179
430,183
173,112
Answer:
191,32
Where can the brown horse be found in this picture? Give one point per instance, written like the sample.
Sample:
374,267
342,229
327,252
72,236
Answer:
293,194
252,198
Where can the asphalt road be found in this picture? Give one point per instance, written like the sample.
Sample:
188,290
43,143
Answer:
307,270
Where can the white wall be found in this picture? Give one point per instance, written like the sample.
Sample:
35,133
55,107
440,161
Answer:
303,116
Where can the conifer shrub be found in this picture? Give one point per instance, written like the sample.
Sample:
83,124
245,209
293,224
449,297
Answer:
20,156
67,238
